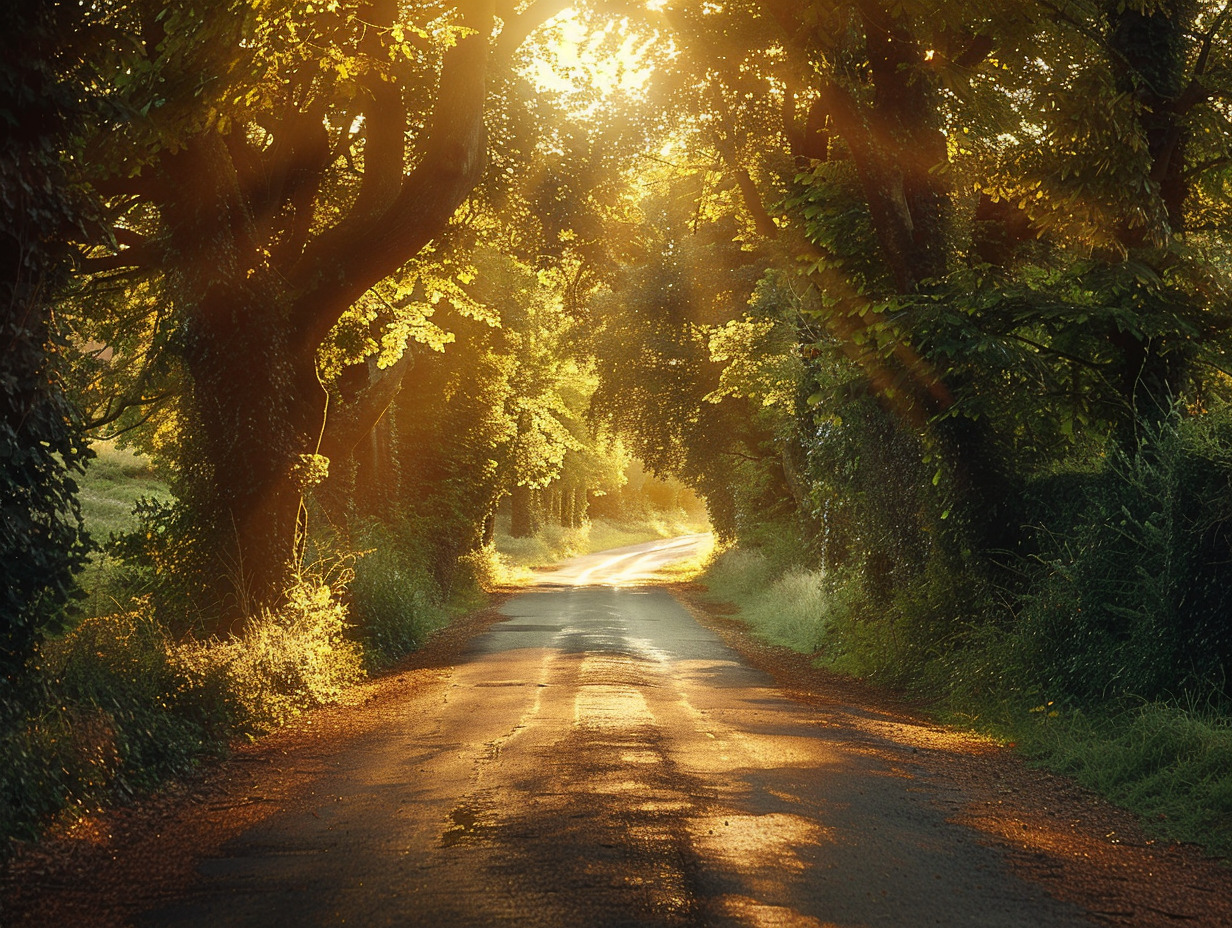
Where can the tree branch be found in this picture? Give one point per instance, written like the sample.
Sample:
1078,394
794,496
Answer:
344,262
518,28
762,221
1208,165
384,115
346,428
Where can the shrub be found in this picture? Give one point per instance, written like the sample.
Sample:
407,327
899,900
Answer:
114,715
288,660
1134,599
791,605
123,705
394,607
123,672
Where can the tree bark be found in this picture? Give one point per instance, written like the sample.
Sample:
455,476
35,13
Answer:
521,501
256,320
581,505
1149,51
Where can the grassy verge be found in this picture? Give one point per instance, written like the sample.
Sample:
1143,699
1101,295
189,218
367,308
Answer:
1170,764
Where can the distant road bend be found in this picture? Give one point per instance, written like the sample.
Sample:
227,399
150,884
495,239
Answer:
598,758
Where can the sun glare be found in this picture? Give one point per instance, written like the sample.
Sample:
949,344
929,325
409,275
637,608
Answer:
572,58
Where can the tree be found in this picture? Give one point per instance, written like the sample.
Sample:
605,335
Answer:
42,541
298,156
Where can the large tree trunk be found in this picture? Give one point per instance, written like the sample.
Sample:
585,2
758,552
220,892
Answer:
522,509
256,321
256,406
251,413
1149,62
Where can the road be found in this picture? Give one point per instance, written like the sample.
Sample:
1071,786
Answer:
599,758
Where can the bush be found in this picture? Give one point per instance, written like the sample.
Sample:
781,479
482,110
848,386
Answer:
123,705
288,660
123,671
393,606
1134,599
791,605
115,714
911,641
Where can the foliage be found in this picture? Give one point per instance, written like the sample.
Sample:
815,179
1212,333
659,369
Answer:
928,302
1135,598
42,541
289,660
393,603
123,676
124,704
164,557
793,608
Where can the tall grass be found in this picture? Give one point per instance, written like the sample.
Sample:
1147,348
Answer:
394,605
790,608
122,704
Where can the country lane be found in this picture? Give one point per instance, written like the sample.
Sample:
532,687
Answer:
598,758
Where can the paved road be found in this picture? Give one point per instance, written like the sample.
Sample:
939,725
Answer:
600,759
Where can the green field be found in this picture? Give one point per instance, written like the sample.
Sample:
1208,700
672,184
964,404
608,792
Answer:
113,483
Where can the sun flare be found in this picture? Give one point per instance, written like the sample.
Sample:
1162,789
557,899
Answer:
574,59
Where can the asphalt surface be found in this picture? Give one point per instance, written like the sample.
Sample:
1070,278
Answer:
601,759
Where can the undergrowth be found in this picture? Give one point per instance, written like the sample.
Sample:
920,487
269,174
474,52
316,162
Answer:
395,605
121,702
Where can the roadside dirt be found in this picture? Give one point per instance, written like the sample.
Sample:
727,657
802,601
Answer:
108,866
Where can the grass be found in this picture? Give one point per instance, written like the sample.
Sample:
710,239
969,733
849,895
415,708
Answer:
393,606
113,483
787,608
1167,762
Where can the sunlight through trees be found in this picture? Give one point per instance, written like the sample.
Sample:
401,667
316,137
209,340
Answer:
929,299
